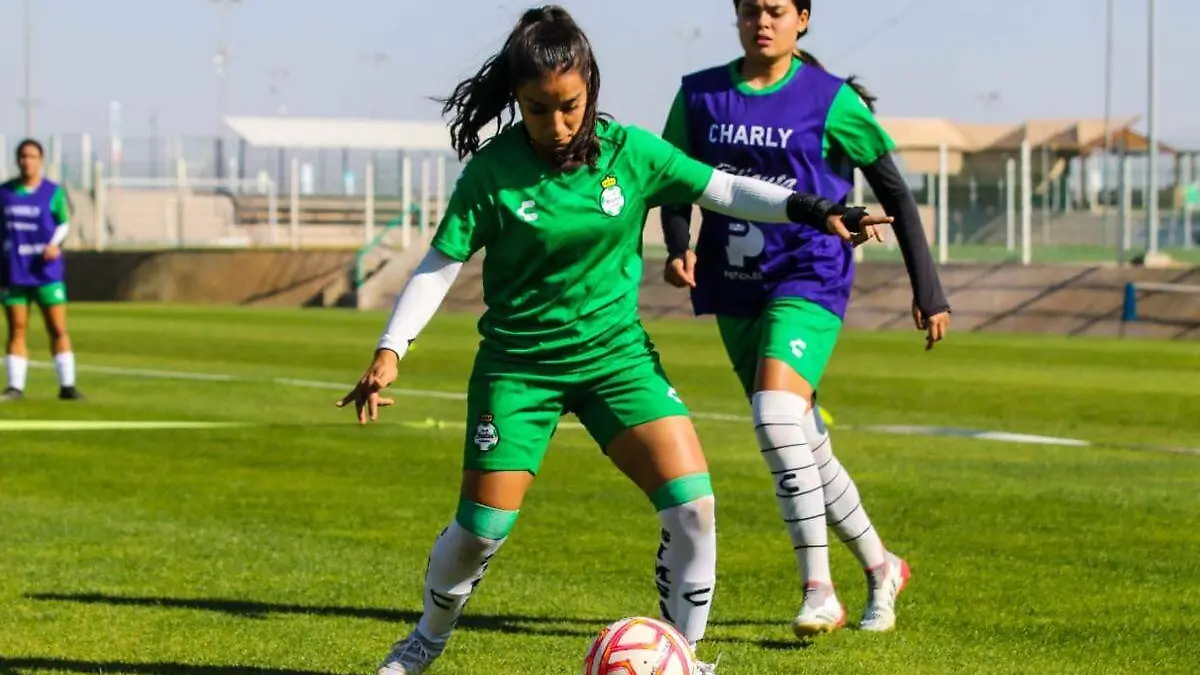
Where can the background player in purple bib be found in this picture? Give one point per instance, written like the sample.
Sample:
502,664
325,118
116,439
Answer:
780,293
35,224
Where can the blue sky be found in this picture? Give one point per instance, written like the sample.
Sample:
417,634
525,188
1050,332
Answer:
922,57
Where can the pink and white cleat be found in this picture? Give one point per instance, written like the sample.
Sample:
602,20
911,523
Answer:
821,613
882,591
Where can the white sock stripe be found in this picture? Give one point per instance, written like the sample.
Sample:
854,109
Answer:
832,458
860,535
835,499
800,520
777,448
795,495
841,520
835,477
821,446
801,468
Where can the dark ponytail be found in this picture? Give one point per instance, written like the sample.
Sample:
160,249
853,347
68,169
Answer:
851,81
810,60
545,40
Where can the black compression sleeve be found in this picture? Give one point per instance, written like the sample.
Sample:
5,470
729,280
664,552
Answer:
811,210
676,227
897,200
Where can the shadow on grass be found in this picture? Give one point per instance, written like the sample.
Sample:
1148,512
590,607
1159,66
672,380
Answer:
514,624
18,666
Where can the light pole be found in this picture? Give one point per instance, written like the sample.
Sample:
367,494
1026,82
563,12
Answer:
221,61
376,60
1152,131
221,58
29,102
278,76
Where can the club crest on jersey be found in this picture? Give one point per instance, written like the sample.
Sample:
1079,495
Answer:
612,199
487,436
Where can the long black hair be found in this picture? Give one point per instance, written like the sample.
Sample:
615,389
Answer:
545,40
809,59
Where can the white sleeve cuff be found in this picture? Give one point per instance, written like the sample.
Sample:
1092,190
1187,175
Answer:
748,198
60,234
419,301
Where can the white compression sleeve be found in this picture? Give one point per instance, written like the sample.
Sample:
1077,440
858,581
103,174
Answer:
60,234
419,300
743,197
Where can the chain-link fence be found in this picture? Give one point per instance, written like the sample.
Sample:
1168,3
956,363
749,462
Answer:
1045,206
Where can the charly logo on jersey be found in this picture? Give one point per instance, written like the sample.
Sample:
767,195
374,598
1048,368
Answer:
612,198
487,436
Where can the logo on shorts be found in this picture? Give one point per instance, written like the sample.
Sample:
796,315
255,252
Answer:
612,199
798,347
487,437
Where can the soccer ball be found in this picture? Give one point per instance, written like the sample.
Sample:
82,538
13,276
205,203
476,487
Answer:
639,646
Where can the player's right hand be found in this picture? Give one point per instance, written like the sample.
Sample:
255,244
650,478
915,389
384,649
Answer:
365,395
681,272
868,228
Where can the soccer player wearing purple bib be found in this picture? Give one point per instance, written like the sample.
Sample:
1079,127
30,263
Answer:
558,202
780,293
35,224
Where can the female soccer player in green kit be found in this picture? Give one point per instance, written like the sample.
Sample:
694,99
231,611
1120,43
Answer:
559,201
780,292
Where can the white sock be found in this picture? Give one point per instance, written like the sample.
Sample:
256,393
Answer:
844,509
778,424
18,370
64,363
686,568
456,566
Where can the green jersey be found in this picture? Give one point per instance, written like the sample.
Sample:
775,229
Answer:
563,250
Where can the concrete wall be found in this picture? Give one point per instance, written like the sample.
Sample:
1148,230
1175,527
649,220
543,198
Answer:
282,278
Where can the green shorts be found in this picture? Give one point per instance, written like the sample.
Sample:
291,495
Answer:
795,331
513,411
45,296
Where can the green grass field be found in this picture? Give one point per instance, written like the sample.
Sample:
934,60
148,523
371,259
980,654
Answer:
293,542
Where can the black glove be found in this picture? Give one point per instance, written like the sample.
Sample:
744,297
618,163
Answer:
852,219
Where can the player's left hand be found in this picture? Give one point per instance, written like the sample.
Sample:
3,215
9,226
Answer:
365,395
935,327
52,252
681,272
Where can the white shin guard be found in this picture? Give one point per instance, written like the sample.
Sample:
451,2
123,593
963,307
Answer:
686,566
456,566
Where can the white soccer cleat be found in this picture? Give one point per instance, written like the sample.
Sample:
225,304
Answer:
411,656
882,591
703,668
821,613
